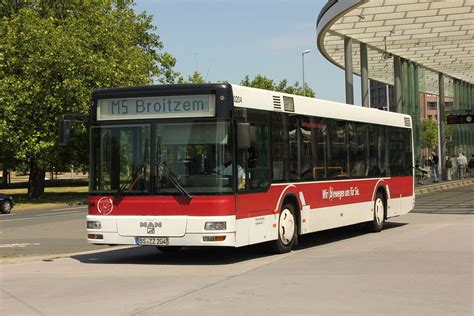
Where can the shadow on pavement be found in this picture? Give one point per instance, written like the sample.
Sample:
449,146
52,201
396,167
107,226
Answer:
338,234
217,255
186,256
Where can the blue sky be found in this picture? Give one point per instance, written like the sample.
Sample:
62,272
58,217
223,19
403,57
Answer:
229,39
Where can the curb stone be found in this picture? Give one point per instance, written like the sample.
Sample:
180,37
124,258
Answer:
443,186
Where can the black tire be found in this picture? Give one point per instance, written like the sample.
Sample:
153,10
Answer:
169,249
287,230
380,210
6,207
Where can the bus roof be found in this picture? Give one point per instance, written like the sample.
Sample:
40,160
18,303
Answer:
267,100
253,98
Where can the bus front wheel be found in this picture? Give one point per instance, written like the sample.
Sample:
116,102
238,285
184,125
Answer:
379,213
287,230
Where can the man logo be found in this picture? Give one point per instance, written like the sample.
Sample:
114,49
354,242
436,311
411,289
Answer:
150,226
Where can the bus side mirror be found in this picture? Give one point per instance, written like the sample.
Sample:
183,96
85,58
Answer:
64,131
243,135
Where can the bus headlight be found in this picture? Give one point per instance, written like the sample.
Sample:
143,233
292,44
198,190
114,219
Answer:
215,226
93,225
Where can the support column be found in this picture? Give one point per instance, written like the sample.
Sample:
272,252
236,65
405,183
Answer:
405,84
442,129
416,113
348,71
408,88
456,127
397,67
364,75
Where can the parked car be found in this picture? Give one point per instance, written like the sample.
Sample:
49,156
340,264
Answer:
6,203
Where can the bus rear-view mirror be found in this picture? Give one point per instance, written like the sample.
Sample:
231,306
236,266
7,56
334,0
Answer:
243,135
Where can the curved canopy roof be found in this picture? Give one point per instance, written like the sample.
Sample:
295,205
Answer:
438,35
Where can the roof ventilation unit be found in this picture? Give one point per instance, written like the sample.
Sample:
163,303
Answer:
407,122
276,103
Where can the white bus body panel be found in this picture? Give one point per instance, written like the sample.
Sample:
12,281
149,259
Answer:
259,99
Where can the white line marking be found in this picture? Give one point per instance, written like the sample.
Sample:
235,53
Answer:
39,215
22,245
70,208
55,213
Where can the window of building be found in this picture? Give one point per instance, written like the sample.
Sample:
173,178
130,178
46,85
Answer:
432,105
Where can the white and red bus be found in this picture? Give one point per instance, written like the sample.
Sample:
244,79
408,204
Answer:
162,166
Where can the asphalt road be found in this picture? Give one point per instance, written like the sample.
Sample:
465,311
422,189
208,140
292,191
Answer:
52,231
421,264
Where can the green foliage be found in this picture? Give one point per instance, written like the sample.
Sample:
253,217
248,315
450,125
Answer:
196,77
428,134
53,54
168,75
263,82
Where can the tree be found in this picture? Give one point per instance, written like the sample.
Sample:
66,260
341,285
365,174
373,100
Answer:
52,55
263,82
428,134
196,77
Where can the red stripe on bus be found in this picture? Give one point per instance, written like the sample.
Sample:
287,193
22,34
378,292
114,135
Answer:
315,195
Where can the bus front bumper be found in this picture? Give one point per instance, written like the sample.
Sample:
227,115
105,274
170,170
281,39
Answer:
162,230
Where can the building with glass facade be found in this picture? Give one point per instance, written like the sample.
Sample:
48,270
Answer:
423,49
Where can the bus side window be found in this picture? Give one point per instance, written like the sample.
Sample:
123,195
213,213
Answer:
256,158
358,149
280,147
337,150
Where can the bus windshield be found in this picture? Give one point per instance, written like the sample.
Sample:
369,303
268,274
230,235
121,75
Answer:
189,156
194,153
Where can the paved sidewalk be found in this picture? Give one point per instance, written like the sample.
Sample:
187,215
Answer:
440,186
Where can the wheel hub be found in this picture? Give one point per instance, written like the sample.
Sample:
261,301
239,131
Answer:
379,211
287,226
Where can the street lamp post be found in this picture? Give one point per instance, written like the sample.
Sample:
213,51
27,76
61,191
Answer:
302,61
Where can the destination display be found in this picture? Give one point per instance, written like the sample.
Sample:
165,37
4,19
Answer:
156,107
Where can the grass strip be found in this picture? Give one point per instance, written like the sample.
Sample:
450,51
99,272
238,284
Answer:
56,196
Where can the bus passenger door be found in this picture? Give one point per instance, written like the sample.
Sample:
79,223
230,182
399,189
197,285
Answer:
254,207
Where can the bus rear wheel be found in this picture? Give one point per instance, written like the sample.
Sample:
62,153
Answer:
287,230
379,213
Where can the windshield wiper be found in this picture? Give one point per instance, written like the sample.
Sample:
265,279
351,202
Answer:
128,183
174,180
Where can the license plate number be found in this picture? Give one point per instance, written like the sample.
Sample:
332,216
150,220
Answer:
153,241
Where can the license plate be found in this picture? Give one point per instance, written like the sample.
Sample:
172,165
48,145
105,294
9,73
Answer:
153,241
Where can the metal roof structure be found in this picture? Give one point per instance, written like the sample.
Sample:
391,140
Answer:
437,35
